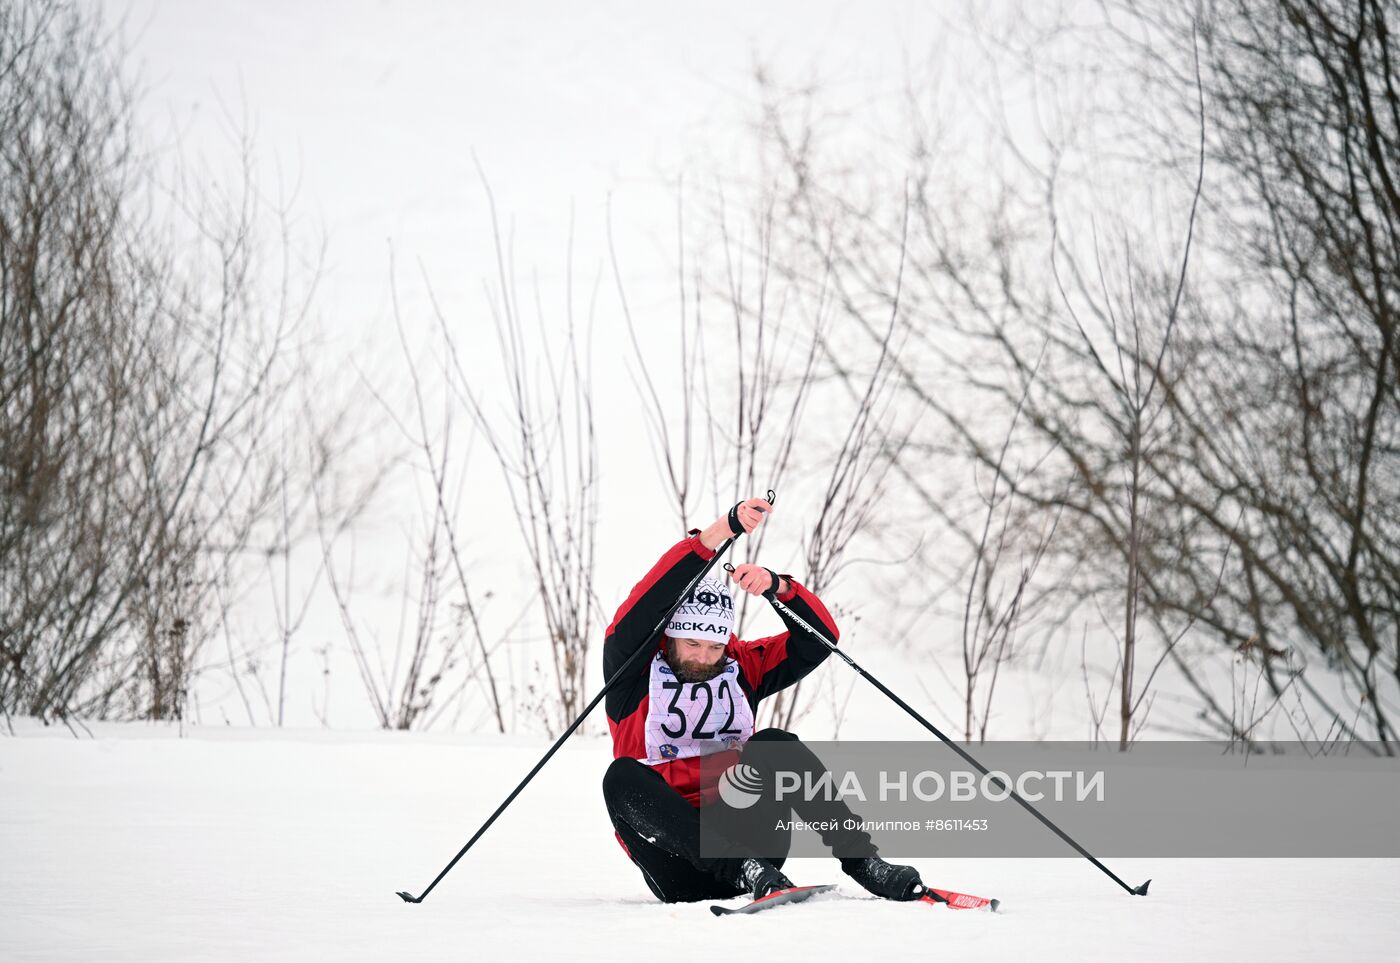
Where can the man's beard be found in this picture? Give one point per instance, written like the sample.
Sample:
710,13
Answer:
691,671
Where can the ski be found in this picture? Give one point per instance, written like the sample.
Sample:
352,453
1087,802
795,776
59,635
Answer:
952,900
931,897
776,898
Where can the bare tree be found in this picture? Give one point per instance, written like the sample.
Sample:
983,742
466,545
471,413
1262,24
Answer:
994,605
744,409
545,444
1279,469
152,338
1223,450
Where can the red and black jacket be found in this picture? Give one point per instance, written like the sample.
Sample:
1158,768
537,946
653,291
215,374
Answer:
766,665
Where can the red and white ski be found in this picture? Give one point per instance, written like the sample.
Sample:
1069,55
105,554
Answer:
952,900
933,897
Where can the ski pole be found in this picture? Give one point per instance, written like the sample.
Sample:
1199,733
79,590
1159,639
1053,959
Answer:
646,646
783,610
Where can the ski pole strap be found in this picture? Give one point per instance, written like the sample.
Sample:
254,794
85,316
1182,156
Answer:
772,593
734,525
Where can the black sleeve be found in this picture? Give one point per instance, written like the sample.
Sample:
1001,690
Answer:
651,599
774,663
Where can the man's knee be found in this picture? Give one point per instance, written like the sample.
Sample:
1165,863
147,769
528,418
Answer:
773,734
620,774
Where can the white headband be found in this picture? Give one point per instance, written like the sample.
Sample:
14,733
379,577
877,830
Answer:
708,613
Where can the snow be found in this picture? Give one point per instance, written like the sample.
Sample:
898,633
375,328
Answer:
143,842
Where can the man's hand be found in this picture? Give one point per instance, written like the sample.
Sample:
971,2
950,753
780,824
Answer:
755,579
750,514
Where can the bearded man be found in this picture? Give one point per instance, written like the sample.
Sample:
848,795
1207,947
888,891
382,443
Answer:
689,711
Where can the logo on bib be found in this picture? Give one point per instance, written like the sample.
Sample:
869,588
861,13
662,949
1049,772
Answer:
740,786
669,751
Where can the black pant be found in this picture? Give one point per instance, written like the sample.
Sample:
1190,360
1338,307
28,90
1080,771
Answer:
662,831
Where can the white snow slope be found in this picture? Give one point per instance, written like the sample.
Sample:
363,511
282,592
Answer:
225,844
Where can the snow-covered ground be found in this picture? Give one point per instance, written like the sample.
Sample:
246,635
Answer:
138,843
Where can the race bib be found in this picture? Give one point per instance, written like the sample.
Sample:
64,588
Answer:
695,718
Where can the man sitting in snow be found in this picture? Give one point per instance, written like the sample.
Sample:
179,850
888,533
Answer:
696,698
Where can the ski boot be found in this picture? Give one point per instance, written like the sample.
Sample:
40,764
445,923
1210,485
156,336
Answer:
761,877
885,880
